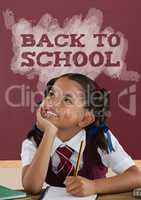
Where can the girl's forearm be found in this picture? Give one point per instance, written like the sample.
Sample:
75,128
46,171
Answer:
120,183
35,174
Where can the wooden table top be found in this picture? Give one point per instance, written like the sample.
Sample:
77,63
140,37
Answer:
120,196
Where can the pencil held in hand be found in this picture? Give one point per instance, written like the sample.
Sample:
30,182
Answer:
79,158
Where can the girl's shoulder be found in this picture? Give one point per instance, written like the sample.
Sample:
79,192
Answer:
29,143
118,160
28,151
114,139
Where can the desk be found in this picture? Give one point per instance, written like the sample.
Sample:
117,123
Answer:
13,168
120,196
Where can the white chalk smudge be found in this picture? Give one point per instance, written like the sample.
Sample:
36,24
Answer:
91,24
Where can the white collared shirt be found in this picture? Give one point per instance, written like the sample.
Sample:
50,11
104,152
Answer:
117,160
74,142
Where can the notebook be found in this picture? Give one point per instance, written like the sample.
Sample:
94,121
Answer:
59,193
7,193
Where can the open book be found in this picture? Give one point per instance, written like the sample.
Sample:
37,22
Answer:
7,193
59,193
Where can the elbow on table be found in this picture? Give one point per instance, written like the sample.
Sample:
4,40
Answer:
31,188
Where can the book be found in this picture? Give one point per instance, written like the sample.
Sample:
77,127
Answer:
59,193
7,193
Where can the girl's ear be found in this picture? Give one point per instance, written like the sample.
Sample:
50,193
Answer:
87,119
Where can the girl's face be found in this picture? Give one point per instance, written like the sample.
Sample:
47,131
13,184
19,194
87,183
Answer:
64,105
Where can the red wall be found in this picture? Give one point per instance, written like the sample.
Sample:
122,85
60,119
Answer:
123,16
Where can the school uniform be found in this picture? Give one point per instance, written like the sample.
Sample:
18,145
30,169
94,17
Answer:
95,161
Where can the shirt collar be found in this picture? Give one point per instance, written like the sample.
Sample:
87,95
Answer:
74,142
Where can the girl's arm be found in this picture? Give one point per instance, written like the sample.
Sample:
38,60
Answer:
33,175
80,186
124,182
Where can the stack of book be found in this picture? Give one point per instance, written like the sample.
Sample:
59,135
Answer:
7,193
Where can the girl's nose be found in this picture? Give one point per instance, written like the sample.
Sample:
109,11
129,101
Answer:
51,103
47,104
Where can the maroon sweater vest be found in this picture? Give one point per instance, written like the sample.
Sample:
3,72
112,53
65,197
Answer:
92,166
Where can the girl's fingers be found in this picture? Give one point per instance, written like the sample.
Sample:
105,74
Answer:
76,192
71,187
72,183
39,113
69,180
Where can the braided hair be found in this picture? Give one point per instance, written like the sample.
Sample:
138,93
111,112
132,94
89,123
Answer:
96,101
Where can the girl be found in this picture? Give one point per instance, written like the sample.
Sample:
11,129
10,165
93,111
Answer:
75,109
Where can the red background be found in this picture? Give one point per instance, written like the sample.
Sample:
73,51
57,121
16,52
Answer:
123,16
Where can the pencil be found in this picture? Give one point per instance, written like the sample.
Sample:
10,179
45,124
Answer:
79,159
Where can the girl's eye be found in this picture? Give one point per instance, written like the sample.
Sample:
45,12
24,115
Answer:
67,100
51,93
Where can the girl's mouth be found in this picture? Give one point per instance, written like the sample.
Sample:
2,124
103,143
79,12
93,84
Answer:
48,113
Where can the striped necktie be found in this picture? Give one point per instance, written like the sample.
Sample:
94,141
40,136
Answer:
65,167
